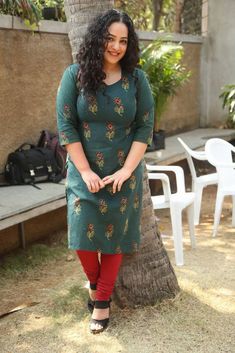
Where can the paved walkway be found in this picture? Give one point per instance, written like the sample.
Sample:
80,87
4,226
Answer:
196,139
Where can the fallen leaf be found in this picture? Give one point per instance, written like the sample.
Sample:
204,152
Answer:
17,308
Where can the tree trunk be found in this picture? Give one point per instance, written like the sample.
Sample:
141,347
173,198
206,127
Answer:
179,4
147,277
157,13
79,14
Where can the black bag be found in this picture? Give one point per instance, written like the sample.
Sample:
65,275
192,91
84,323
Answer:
50,140
31,165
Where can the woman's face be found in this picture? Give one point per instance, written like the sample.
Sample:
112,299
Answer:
116,43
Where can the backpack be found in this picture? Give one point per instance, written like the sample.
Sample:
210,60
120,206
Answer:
30,164
51,141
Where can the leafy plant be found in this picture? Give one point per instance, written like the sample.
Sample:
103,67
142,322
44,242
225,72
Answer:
30,11
27,10
162,63
149,15
58,5
228,96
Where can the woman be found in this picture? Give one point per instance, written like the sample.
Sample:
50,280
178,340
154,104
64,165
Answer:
105,120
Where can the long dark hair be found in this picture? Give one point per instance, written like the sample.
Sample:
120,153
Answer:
91,52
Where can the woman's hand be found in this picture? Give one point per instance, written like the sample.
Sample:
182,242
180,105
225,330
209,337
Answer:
92,180
117,178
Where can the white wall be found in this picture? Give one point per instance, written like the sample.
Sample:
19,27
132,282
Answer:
218,60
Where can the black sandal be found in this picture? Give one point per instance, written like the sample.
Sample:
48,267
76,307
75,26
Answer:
100,304
90,305
90,302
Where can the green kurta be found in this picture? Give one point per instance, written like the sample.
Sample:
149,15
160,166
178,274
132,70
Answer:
106,124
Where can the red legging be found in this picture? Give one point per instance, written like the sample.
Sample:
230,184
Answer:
103,273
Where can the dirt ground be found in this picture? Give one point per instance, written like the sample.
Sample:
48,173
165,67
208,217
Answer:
201,319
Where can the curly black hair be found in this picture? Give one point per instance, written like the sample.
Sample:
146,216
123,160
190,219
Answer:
91,52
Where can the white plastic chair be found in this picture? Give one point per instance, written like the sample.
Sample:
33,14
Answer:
219,153
198,182
177,202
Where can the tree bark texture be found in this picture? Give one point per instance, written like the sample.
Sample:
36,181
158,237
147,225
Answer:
79,14
157,13
146,277
179,5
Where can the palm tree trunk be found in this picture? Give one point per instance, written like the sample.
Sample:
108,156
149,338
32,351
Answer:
79,14
147,277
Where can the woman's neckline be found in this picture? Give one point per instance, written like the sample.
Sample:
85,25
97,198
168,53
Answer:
114,83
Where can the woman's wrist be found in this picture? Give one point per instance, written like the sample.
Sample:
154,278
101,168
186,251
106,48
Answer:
84,170
127,169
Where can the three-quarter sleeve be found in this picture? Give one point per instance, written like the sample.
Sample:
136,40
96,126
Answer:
66,107
144,119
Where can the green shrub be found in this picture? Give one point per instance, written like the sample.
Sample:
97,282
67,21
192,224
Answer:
27,10
162,63
228,96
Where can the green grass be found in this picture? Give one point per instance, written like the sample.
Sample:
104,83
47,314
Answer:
22,261
71,302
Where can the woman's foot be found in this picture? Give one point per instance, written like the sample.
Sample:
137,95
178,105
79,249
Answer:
100,317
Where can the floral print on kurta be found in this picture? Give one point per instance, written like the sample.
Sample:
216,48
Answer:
86,131
67,111
109,231
110,133
106,124
103,207
146,116
90,231
92,104
136,201
118,108
121,157
125,83
63,138
100,159
126,226
132,182
123,204
77,205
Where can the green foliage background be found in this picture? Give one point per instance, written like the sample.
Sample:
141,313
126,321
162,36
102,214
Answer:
142,13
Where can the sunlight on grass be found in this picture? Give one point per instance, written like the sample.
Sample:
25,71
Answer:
81,338
223,291
21,261
33,323
212,296
70,302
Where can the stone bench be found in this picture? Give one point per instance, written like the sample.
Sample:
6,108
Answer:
23,202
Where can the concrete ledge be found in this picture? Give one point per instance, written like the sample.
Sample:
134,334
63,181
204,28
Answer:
196,139
53,27
6,21
173,37
13,22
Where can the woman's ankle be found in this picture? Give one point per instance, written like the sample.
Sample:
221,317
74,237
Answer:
100,314
92,293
